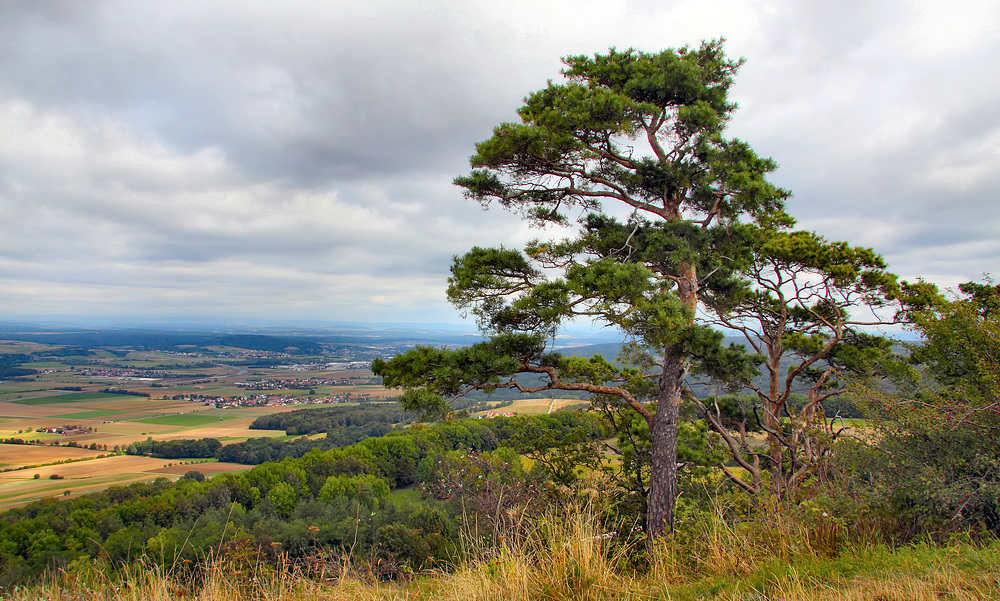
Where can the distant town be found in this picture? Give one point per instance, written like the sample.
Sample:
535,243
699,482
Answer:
271,400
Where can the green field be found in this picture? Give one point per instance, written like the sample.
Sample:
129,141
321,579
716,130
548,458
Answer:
406,496
45,365
48,400
68,398
12,387
183,419
85,415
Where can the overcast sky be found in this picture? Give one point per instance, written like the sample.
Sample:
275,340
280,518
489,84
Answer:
261,160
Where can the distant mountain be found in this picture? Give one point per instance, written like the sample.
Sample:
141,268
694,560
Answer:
163,340
609,351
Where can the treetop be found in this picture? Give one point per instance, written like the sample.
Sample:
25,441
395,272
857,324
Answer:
641,129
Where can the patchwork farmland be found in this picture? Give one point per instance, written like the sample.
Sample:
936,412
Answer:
63,429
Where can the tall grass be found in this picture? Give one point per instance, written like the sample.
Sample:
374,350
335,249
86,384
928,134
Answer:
567,556
563,557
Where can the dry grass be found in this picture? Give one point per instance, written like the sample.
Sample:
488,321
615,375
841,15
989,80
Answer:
565,558
566,576
945,583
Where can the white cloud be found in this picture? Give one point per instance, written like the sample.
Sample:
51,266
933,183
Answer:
946,27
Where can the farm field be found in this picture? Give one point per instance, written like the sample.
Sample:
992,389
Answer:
18,455
536,406
81,403
86,472
118,420
92,475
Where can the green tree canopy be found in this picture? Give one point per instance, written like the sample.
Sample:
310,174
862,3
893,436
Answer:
631,149
807,310
936,459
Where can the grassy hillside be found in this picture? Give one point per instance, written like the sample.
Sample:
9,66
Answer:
566,559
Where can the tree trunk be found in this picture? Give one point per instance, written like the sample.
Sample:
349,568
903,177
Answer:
772,413
663,425
663,436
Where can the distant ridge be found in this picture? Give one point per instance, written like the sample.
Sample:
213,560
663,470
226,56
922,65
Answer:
265,336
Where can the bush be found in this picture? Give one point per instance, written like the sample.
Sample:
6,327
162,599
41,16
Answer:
935,462
194,475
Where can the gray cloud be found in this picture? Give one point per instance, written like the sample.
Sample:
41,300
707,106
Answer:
241,158
307,92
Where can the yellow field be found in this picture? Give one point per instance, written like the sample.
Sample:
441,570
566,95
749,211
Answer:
21,487
66,397
535,406
114,426
18,455
234,428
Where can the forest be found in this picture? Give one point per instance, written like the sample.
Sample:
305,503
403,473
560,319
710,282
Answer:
299,505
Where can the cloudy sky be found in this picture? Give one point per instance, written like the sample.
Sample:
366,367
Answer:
257,160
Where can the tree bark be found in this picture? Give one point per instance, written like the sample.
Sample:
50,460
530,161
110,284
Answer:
663,425
663,436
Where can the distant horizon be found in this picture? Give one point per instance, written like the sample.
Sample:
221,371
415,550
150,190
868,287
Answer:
431,333
586,334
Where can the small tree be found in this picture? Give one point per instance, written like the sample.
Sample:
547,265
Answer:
807,312
630,133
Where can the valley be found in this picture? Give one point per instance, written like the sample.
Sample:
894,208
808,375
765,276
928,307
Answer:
64,427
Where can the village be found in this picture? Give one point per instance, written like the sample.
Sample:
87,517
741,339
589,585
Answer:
302,383
123,373
270,400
